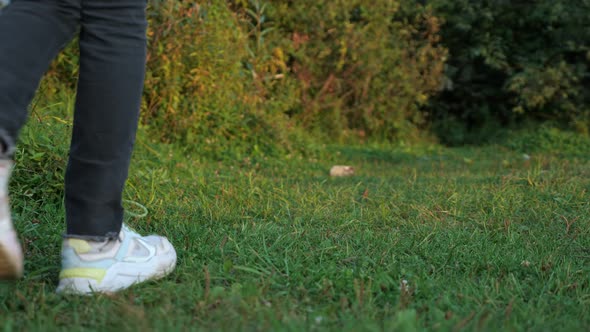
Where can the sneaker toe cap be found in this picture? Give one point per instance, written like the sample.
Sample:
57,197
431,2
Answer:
161,244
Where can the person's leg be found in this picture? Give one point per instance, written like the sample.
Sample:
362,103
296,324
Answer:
31,34
112,68
99,254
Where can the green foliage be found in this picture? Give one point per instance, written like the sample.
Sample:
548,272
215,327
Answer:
362,66
550,139
197,91
511,60
247,78
254,78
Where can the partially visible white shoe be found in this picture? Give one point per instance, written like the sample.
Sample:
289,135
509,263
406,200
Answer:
109,266
11,254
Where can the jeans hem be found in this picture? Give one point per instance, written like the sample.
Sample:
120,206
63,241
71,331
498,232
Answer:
6,145
98,238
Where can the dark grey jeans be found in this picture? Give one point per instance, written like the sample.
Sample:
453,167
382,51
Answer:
112,67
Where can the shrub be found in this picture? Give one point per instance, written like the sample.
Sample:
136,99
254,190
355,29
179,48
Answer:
197,91
248,77
361,66
511,60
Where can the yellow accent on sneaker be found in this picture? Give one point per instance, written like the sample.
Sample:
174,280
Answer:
80,246
87,273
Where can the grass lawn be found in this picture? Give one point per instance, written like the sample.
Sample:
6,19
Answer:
419,239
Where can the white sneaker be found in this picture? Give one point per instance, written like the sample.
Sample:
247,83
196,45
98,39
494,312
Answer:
11,254
113,265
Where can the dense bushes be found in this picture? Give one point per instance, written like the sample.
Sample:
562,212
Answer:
249,76
197,90
362,66
255,73
511,60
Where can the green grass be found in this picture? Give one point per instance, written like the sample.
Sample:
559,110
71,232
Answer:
485,239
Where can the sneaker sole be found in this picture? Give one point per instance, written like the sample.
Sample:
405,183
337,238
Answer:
81,286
